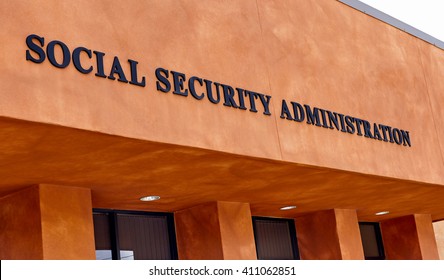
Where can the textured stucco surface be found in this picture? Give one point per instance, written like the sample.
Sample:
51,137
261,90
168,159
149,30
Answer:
320,53
122,141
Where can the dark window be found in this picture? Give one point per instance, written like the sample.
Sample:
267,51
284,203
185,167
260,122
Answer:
275,239
128,235
372,241
102,236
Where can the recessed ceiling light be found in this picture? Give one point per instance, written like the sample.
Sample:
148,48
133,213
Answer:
288,207
382,213
150,198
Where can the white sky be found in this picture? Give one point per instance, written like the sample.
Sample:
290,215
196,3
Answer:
425,15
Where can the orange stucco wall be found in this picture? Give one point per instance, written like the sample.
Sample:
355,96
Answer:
320,53
236,230
67,223
47,222
198,233
409,238
329,235
20,226
438,228
349,235
215,231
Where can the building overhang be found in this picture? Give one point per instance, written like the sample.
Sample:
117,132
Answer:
120,170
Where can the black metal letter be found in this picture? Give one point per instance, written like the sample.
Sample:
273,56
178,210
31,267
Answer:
178,79
51,56
193,89
162,79
285,112
37,49
99,57
117,69
76,59
134,81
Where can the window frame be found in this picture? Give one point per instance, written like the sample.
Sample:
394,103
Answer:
379,241
114,229
291,227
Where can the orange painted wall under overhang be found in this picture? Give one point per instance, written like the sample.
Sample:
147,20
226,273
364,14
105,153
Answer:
320,53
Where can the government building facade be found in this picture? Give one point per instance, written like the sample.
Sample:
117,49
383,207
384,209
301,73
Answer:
241,130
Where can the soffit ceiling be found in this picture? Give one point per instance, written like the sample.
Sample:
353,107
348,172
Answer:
120,170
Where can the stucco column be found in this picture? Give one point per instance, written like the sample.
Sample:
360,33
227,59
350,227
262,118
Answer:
215,231
47,222
329,235
438,227
409,238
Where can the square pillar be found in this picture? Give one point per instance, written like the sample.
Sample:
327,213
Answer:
20,226
409,238
47,222
215,231
438,228
329,235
